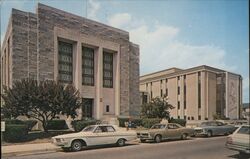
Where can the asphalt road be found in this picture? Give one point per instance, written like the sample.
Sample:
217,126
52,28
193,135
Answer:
193,148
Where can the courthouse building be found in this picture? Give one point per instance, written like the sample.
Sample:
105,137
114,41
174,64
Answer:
98,59
197,93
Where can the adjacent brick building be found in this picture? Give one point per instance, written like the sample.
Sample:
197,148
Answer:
98,59
197,93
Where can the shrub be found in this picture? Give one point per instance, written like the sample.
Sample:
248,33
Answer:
15,132
122,121
182,122
78,125
135,122
30,124
57,125
149,122
13,121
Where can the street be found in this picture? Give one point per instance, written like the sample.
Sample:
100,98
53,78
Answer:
193,148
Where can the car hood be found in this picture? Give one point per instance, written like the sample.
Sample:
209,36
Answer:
73,135
198,128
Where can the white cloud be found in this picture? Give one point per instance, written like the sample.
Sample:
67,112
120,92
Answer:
160,49
119,20
93,8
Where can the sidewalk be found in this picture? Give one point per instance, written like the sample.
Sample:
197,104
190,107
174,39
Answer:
14,150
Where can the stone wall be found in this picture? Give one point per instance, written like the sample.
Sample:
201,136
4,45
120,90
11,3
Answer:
34,54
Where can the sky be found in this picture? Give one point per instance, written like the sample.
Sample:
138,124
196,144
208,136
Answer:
183,33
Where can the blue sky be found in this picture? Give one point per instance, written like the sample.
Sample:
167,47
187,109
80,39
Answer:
184,33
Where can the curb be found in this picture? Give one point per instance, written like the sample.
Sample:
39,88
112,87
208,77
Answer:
34,152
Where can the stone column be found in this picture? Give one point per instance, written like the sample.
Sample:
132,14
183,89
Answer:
77,70
77,65
117,84
99,82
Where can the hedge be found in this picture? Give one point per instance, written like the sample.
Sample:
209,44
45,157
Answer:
30,123
135,122
13,121
182,122
57,125
149,122
78,125
15,132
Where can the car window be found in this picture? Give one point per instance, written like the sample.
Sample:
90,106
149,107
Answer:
110,129
103,128
213,124
158,126
220,124
172,126
244,130
204,124
88,128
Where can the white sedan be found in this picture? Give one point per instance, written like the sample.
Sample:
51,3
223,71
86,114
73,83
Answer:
240,140
94,135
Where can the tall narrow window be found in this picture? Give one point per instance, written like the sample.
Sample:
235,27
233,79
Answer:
88,66
179,90
179,104
161,93
107,108
166,92
65,62
107,70
199,90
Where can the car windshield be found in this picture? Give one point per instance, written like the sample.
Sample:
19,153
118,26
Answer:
88,128
204,124
158,126
244,130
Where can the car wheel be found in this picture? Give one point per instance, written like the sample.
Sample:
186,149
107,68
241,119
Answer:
142,141
121,142
184,136
209,133
76,145
158,138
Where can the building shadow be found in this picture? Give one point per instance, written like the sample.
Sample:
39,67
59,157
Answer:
90,148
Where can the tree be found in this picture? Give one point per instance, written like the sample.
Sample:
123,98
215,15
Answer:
156,108
43,100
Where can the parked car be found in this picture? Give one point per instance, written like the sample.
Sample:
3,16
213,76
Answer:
159,132
240,140
94,135
211,128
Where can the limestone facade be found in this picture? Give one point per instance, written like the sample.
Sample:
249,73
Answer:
197,93
31,50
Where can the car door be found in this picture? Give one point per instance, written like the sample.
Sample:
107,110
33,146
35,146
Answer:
112,135
222,128
171,131
100,137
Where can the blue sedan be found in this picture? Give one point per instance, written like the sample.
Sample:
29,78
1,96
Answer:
212,128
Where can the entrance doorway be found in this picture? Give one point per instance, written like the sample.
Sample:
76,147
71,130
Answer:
87,108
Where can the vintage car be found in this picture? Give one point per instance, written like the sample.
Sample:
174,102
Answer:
159,132
94,135
211,128
240,140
